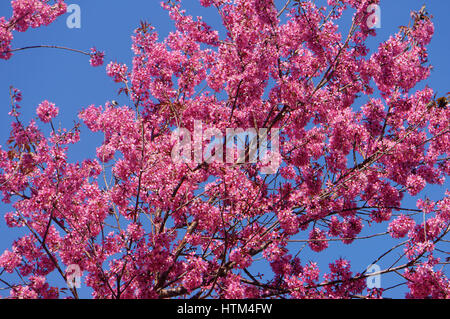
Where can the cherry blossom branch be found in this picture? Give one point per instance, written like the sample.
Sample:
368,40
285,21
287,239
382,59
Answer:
336,239
48,47
286,5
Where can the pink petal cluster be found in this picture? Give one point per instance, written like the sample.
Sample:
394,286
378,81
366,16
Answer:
341,274
317,240
194,277
97,57
27,14
426,282
400,226
415,184
241,258
117,71
141,225
47,111
10,260
5,39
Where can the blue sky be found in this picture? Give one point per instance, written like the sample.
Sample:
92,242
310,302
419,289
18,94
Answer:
68,80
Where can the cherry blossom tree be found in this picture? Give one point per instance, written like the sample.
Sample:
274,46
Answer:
355,139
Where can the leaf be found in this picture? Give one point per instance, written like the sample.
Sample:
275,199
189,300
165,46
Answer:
442,102
144,27
11,154
123,90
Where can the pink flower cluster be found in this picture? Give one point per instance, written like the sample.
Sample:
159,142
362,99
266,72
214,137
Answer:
400,226
27,14
317,240
47,111
242,259
97,57
425,282
5,39
345,286
117,71
347,229
415,183
145,226
194,277
10,260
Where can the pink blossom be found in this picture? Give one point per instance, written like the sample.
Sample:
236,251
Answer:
117,71
425,282
317,240
288,222
194,277
341,274
47,111
5,39
142,225
26,14
10,260
351,227
242,259
415,184
97,57
400,226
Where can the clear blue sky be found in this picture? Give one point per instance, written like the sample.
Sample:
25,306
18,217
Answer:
68,80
